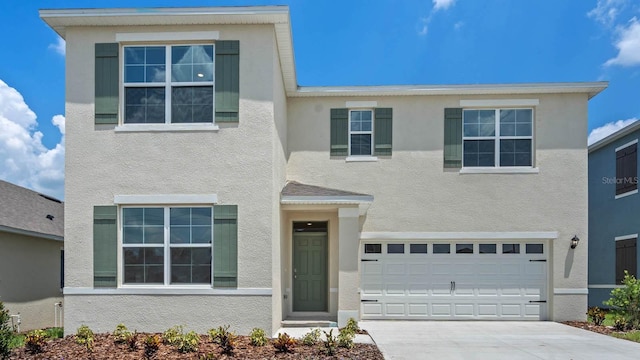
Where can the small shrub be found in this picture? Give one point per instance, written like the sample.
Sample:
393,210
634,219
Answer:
132,341
345,339
225,339
352,326
258,337
311,338
172,335
208,356
6,333
284,343
213,335
35,340
55,333
625,301
151,346
596,315
619,322
121,334
188,342
330,343
84,336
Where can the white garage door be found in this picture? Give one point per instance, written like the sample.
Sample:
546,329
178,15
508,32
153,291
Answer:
454,280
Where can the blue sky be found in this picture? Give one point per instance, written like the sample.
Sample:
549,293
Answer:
355,42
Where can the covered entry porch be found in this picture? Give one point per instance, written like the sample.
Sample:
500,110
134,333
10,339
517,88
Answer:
320,230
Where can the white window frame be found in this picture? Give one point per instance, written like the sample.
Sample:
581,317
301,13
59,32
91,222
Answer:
497,137
168,84
371,132
166,245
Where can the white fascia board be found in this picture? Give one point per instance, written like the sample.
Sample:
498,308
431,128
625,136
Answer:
538,235
329,200
168,291
30,233
499,103
615,136
169,36
165,199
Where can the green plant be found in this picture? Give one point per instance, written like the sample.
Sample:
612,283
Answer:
330,343
188,342
352,326
625,301
35,341
213,335
631,335
345,339
596,315
172,335
6,333
55,333
84,336
619,322
208,356
311,338
151,346
121,333
225,339
284,343
132,341
258,337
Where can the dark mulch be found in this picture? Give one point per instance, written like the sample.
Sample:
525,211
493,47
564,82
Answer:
607,330
105,348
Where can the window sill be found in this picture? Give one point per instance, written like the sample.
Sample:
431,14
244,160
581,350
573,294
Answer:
361,159
166,290
632,192
165,127
500,170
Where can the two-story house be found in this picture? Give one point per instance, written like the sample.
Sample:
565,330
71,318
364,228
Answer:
205,187
614,206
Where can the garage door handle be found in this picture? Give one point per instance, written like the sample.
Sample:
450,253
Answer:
368,259
538,301
538,260
368,300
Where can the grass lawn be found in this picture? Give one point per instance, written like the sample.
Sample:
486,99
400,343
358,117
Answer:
630,335
52,333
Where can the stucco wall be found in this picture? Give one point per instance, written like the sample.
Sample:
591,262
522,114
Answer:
30,278
608,218
413,193
235,163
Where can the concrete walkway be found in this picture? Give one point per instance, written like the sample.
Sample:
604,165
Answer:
494,340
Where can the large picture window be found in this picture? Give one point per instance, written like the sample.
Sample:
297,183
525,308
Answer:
167,245
497,138
168,84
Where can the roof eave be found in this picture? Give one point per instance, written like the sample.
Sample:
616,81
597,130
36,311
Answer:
13,230
615,136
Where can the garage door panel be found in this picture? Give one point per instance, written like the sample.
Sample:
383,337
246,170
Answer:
450,286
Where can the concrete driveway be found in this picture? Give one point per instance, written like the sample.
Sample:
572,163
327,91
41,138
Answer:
494,340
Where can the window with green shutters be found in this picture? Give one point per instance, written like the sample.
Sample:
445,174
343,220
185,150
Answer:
361,132
168,84
170,245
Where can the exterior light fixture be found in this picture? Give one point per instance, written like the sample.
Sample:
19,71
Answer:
574,241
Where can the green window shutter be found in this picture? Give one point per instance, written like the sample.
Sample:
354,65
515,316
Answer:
105,246
339,132
453,138
225,246
106,82
227,80
383,132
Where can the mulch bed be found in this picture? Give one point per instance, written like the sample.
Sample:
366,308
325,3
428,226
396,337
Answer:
601,329
106,348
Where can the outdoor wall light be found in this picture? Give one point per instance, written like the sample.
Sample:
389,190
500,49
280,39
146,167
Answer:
574,241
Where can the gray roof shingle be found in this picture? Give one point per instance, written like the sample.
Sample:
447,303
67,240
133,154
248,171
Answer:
294,188
24,210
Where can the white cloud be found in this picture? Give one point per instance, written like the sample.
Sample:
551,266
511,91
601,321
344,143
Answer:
59,46
442,4
607,129
24,160
607,11
628,44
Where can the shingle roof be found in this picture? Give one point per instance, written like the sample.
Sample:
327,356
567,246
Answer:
26,211
294,188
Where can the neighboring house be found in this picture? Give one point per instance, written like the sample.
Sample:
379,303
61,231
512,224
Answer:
31,253
614,208
205,187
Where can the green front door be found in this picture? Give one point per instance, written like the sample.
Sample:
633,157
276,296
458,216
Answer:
310,271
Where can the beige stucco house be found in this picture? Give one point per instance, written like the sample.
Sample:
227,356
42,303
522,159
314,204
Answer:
31,249
205,187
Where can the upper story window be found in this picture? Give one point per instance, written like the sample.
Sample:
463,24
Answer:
360,132
627,168
497,138
169,84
